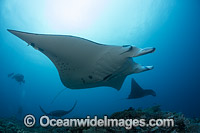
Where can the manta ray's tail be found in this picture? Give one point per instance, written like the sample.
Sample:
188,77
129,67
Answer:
58,94
72,108
43,110
138,92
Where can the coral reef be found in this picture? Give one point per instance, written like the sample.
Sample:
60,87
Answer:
181,123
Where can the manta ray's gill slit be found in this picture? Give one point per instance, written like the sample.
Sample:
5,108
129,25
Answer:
83,80
112,76
90,77
107,77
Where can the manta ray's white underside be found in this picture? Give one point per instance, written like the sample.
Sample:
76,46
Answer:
85,64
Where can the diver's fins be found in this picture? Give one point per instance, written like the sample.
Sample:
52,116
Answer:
9,75
138,92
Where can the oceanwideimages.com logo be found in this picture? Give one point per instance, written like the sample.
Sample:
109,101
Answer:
45,121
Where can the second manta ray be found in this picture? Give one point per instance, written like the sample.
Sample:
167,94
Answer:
58,113
82,63
138,92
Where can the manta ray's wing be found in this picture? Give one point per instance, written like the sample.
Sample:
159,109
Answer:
81,63
138,92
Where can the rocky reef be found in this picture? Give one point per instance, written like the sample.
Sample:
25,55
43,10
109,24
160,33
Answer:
181,123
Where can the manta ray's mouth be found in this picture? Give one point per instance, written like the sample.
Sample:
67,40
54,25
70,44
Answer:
137,68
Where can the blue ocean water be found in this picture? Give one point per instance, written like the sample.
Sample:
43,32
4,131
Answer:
172,27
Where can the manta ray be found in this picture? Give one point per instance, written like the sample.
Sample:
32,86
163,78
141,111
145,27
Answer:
82,63
58,113
138,92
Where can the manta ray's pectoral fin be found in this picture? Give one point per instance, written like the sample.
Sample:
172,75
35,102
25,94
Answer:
138,92
135,51
116,82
